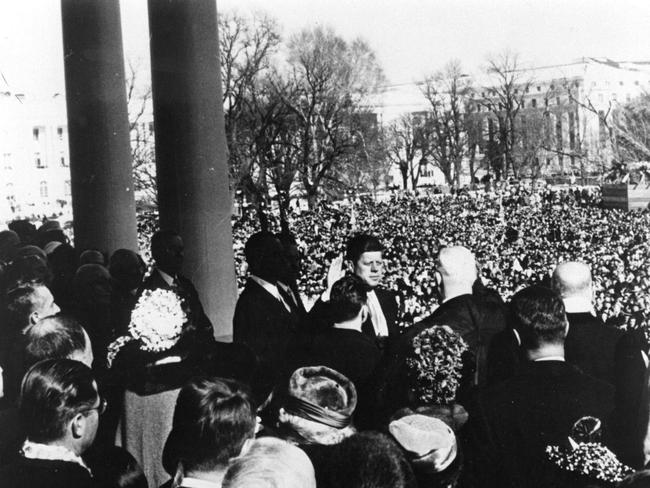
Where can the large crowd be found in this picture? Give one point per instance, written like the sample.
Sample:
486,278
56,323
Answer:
469,339
517,234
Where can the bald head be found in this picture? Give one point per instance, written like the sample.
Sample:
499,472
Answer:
457,263
572,279
58,336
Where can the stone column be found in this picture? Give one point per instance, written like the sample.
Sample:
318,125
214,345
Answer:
103,203
191,152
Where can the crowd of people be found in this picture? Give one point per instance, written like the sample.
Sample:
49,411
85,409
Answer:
474,339
517,234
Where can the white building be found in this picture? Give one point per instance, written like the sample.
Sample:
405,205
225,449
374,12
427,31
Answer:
574,96
34,165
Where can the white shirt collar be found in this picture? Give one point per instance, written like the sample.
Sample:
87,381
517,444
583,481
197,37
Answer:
549,358
578,305
167,278
35,450
197,483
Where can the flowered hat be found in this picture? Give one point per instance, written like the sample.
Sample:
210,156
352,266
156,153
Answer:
586,456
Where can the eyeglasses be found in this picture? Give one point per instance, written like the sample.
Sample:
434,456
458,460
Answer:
101,408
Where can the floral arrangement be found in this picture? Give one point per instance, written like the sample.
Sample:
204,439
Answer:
434,365
590,459
156,321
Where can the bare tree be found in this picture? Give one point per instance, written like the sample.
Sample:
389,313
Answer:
447,92
333,78
143,155
504,98
404,146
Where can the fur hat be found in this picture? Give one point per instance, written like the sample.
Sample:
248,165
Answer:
318,406
48,226
429,442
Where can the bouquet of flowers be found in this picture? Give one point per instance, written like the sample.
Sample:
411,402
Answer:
434,365
590,459
156,321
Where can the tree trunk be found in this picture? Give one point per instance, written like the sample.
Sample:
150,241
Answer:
404,171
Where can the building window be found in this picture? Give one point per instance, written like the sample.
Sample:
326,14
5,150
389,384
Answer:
636,82
59,133
6,161
539,88
620,83
36,132
151,123
600,97
40,162
43,189
614,96
533,103
64,163
67,188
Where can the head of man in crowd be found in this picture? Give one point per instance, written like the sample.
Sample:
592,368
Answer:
57,337
291,271
348,302
271,462
456,271
59,404
572,281
167,250
365,254
214,421
32,268
264,256
29,303
540,321
127,269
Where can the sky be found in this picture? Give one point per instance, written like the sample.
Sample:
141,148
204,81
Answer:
412,38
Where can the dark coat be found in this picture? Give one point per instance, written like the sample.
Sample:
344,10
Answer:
465,314
631,418
39,473
590,345
264,324
198,320
510,424
318,317
349,352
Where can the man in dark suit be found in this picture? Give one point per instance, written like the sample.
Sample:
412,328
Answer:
263,319
470,309
511,424
60,409
590,345
364,256
290,273
167,252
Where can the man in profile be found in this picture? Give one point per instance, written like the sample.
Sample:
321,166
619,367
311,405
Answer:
263,319
26,304
54,337
511,423
60,409
167,250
